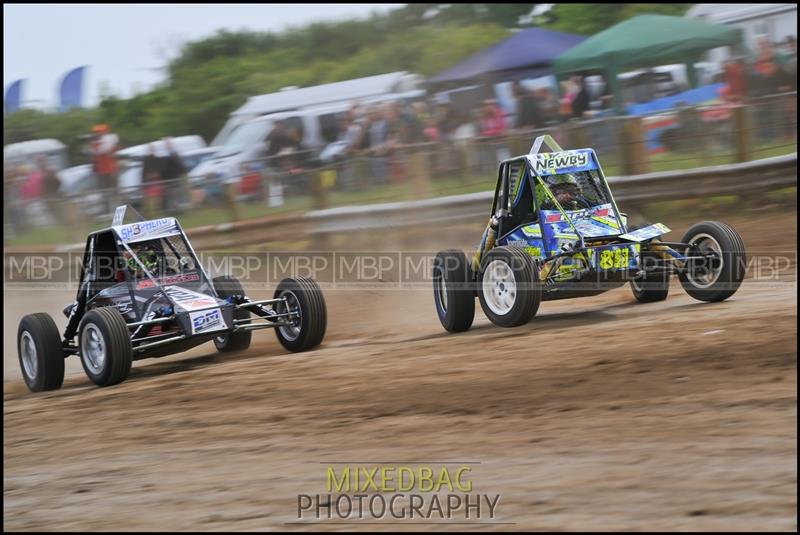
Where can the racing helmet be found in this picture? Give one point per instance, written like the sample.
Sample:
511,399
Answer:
565,184
147,256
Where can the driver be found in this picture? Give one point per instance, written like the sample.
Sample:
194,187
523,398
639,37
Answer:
146,256
568,194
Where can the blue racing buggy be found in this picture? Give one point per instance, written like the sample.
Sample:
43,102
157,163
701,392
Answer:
555,232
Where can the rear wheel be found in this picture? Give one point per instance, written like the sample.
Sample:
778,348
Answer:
508,287
308,315
105,346
716,264
453,290
651,288
226,287
41,355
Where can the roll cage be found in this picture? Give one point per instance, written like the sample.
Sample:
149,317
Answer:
520,187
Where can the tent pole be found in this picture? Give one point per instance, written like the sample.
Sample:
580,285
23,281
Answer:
691,73
612,78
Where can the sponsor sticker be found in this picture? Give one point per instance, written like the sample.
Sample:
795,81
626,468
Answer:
174,279
144,228
189,300
207,320
561,160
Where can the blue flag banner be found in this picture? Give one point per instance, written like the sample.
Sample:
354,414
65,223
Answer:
71,92
13,97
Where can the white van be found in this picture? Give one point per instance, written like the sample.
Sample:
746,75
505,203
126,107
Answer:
248,142
25,153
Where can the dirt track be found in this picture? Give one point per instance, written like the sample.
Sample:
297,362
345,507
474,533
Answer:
599,414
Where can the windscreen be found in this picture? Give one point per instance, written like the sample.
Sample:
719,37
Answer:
574,191
583,199
244,137
168,259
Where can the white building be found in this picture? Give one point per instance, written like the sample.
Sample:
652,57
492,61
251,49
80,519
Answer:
775,21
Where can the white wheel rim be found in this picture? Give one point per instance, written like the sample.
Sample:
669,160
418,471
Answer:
291,332
27,349
93,349
499,287
708,276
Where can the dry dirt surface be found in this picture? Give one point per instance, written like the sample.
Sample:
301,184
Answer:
600,414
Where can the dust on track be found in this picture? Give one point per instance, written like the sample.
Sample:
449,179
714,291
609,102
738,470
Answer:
599,414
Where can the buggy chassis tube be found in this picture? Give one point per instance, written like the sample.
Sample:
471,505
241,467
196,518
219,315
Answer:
262,302
151,322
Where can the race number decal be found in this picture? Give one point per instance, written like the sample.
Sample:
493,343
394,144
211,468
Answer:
614,258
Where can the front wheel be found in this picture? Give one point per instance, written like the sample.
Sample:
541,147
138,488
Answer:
306,314
41,355
716,261
508,286
105,346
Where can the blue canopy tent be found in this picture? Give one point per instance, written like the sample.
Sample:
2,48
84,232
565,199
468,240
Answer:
528,53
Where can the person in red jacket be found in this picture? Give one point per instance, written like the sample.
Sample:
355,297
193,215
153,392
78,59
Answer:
103,148
493,123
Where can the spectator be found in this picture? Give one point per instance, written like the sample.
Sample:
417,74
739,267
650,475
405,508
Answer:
103,149
765,68
790,65
570,90
152,181
548,106
492,125
580,103
33,184
735,78
419,122
378,135
493,120
51,185
172,169
13,214
529,116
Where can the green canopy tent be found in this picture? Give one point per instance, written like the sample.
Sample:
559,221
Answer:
645,41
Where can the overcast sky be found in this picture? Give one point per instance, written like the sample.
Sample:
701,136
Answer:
126,46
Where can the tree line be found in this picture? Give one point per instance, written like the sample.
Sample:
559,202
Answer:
211,77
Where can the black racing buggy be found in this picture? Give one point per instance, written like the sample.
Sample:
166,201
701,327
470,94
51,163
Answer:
143,293
555,232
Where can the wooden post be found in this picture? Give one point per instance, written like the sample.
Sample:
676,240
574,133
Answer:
318,189
743,133
418,171
635,153
577,135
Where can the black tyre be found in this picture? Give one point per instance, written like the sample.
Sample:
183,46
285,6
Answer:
105,346
718,276
309,318
226,287
41,355
453,290
652,288
508,287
